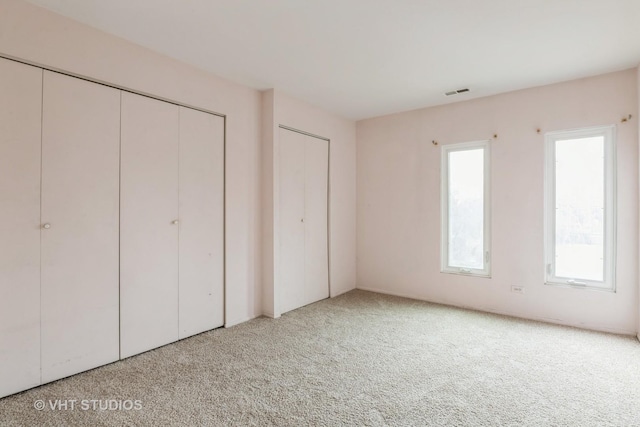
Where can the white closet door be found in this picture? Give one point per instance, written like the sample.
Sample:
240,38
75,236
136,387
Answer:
292,227
20,122
316,254
201,221
148,234
80,198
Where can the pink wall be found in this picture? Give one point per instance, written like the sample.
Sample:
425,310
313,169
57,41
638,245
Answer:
40,37
280,109
397,180
398,216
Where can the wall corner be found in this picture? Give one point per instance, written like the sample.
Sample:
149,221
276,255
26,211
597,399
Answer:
269,297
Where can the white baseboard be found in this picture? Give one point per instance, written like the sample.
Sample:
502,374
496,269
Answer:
344,291
232,323
593,327
395,294
271,315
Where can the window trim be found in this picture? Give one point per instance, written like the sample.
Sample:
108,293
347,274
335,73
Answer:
444,203
610,188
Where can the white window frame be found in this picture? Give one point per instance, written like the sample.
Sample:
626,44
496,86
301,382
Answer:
444,203
609,262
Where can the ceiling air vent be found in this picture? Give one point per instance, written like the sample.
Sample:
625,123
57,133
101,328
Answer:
455,92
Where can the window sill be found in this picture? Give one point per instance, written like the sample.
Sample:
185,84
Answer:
472,273
585,287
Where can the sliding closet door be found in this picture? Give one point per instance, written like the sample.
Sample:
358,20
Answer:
148,224
20,121
80,198
201,221
292,227
316,254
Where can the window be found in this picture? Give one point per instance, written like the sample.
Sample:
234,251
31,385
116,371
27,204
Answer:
465,208
580,202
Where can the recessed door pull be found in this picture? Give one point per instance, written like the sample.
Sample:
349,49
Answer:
46,226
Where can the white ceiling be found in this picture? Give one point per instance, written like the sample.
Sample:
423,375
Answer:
364,58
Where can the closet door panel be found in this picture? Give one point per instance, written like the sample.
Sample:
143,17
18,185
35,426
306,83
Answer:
316,220
148,236
80,202
292,216
20,130
201,221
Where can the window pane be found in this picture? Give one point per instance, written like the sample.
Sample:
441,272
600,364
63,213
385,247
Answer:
466,208
579,233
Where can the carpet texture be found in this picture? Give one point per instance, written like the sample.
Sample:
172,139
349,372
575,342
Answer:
361,359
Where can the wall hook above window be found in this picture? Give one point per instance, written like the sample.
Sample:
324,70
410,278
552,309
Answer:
434,142
626,119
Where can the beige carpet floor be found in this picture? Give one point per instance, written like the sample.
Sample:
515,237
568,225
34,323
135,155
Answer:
361,359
